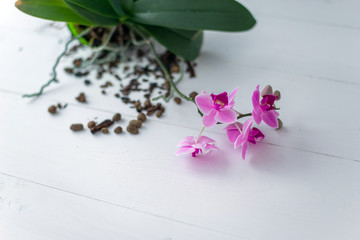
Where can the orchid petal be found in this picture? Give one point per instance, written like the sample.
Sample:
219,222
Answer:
256,116
186,141
204,103
211,147
232,126
230,105
198,145
232,95
243,151
205,139
246,130
255,99
209,120
184,150
247,124
232,135
238,142
226,116
270,118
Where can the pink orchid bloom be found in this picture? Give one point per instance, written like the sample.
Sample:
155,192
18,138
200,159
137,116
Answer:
241,135
216,108
264,110
194,146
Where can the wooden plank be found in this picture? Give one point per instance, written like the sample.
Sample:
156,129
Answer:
277,193
336,13
318,52
32,211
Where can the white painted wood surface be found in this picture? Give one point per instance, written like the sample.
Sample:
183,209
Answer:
303,182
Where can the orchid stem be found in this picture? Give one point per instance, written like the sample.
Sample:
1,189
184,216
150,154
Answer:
243,115
202,129
237,126
54,73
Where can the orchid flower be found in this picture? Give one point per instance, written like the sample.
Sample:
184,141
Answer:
264,110
241,135
195,145
216,108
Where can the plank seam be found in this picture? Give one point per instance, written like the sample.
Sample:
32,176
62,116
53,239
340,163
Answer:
120,206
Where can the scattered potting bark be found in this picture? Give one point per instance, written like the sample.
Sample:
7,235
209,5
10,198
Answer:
105,130
107,84
137,79
141,117
52,109
87,82
190,69
120,36
136,123
76,127
159,114
132,129
104,124
177,100
91,124
193,94
116,117
118,130
60,106
77,62
81,98
69,70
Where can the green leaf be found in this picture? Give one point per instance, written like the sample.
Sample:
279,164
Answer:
93,17
122,7
101,7
75,32
55,10
183,43
222,15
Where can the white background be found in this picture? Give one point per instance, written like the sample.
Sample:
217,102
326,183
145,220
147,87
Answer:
302,182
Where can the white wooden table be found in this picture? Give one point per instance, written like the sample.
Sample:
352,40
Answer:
302,182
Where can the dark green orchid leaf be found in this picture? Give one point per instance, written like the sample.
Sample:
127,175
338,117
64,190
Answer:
101,7
55,10
222,15
91,16
183,43
122,7
189,34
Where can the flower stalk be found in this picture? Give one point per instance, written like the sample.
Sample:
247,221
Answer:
218,109
202,129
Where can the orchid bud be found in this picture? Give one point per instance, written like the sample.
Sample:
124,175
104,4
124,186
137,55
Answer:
280,123
277,93
267,91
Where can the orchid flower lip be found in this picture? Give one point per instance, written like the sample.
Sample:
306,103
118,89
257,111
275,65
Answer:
221,100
